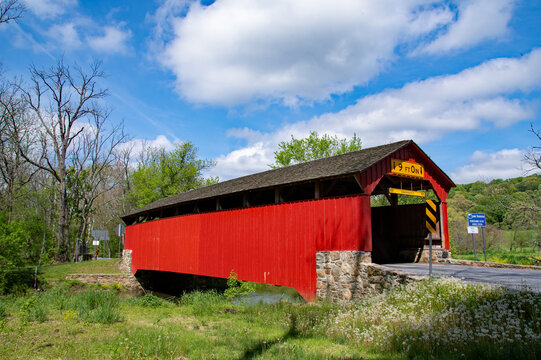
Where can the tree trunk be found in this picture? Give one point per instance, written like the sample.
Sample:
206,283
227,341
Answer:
9,202
43,243
62,231
513,240
82,228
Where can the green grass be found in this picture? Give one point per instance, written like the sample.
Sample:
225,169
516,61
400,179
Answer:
148,300
442,319
58,272
526,257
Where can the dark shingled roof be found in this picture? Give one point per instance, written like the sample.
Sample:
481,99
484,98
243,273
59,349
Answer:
339,165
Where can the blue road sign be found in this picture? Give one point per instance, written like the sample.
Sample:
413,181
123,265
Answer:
476,220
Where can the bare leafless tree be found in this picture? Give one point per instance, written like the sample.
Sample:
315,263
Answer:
533,157
62,102
124,156
93,157
11,10
15,172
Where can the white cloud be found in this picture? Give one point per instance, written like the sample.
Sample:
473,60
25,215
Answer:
138,145
423,111
164,16
248,160
49,8
477,21
233,52
113,40
66,35
237,51
483,166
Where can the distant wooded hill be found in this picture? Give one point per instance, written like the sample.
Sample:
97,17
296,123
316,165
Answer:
512,208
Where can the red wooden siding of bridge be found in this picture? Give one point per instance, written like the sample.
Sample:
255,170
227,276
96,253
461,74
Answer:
274,244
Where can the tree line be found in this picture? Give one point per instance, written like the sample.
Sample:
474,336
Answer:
66,167
512,208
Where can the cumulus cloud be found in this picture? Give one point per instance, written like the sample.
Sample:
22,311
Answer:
477,21
66,35
233,52
49,8
248,160
429,109
484,166
423,111
113,40
160,142
136,147
67,29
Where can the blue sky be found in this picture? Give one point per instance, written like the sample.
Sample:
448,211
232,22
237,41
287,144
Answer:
236,77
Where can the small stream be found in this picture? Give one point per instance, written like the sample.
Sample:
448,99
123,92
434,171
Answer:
264,297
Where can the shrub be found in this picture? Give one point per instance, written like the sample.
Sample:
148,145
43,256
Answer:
237,288
33,309
16,281
14,247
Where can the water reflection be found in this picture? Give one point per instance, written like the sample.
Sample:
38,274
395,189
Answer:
265,297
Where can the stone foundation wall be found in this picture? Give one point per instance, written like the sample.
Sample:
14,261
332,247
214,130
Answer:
125,262
127,281
350,275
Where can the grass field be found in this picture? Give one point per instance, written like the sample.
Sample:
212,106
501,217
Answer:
524,257
58,272
441,319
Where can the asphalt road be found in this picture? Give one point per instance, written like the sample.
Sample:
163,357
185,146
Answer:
509,278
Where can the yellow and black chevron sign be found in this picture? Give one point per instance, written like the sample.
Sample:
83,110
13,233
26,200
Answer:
431,216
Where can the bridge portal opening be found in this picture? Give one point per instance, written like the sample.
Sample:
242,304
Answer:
399,232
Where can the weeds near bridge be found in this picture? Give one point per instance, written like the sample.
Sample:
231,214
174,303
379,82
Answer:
440,318
237,288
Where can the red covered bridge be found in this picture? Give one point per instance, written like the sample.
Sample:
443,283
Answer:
268,227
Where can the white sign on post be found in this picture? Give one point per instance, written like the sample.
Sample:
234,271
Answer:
473,230
96,242
119,230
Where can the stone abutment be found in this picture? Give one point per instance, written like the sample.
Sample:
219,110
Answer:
350,275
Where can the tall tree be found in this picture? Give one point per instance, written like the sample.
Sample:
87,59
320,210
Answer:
62,101
91,174
313,147
161,173
14,170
